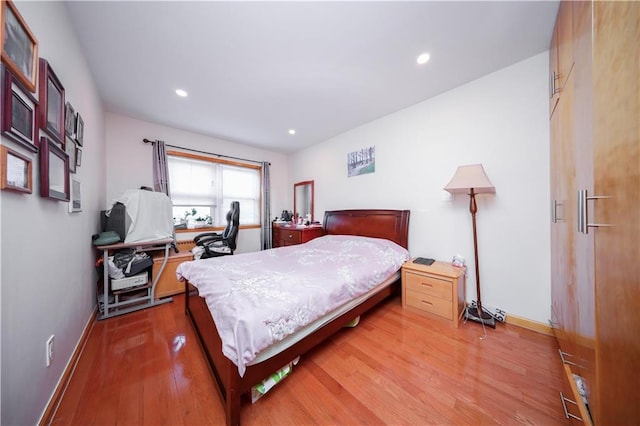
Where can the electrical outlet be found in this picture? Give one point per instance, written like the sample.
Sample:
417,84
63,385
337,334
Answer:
49,350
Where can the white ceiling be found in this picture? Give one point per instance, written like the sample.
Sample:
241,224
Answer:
254,70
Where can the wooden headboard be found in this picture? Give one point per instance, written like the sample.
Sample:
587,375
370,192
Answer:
389,224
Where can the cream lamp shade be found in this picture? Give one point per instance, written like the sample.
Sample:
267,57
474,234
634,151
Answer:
470,177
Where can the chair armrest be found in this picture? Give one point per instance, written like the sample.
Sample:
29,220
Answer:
207,237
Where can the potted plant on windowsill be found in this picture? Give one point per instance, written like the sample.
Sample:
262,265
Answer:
190,218
202,222
193,222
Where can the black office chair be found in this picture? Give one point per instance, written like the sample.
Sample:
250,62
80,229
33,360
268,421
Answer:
215,244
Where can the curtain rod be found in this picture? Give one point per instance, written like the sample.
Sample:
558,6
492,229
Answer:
145,140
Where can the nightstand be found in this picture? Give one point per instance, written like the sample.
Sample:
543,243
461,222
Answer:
437,290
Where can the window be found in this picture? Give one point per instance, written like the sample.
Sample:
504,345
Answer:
202,189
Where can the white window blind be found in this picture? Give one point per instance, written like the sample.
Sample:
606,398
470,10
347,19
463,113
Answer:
209,187
243,185
192,182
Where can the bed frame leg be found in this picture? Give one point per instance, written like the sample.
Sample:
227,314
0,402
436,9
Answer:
232,407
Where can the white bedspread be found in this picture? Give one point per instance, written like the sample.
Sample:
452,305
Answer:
259,298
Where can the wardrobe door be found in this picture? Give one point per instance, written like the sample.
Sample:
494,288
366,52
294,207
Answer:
554,75
564,22
583,132
560,54
563,226
616,76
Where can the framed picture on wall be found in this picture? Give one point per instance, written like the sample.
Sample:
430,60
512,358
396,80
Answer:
79,129
19,114
361,162
54,171
75,204
19,46
70,149
16,171
69,120
52,107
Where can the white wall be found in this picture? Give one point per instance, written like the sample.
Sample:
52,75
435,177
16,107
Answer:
48,274
501,121
129,164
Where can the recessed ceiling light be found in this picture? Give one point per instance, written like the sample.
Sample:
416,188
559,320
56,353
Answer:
423,58
292,132
181,93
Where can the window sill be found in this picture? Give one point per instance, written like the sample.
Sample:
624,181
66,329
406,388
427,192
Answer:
211,229
199,229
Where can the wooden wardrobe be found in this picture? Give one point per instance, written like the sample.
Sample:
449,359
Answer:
595,207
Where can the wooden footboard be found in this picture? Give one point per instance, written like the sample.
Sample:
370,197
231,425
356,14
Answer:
224,371
230,385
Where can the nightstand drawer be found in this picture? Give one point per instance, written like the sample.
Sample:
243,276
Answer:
429,285
427,303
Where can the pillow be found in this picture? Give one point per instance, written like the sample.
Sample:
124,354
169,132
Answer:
107,237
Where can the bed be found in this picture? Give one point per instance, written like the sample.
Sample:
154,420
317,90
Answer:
233,379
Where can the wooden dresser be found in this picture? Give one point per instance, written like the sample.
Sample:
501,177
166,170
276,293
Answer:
287,235
437,290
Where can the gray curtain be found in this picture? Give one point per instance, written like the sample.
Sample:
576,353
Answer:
160,168
266,207
161,176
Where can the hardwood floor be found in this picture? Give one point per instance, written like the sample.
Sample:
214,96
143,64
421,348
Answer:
395,367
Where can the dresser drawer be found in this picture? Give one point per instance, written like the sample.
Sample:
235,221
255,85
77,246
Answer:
309,234
428,303
429,285
291,235
288,238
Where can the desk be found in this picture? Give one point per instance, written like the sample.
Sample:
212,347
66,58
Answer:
136,302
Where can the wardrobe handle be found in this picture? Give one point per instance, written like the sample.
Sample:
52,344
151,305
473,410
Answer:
567,414
552,84
583,222
564,360
554,211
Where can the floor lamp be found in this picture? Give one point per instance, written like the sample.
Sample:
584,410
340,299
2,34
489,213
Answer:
473,180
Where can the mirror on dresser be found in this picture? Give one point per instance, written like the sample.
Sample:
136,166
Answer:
303,199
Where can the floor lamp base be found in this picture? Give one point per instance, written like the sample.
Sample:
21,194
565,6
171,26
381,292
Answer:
471,313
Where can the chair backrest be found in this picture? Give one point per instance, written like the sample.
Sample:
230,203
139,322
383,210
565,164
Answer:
230,233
